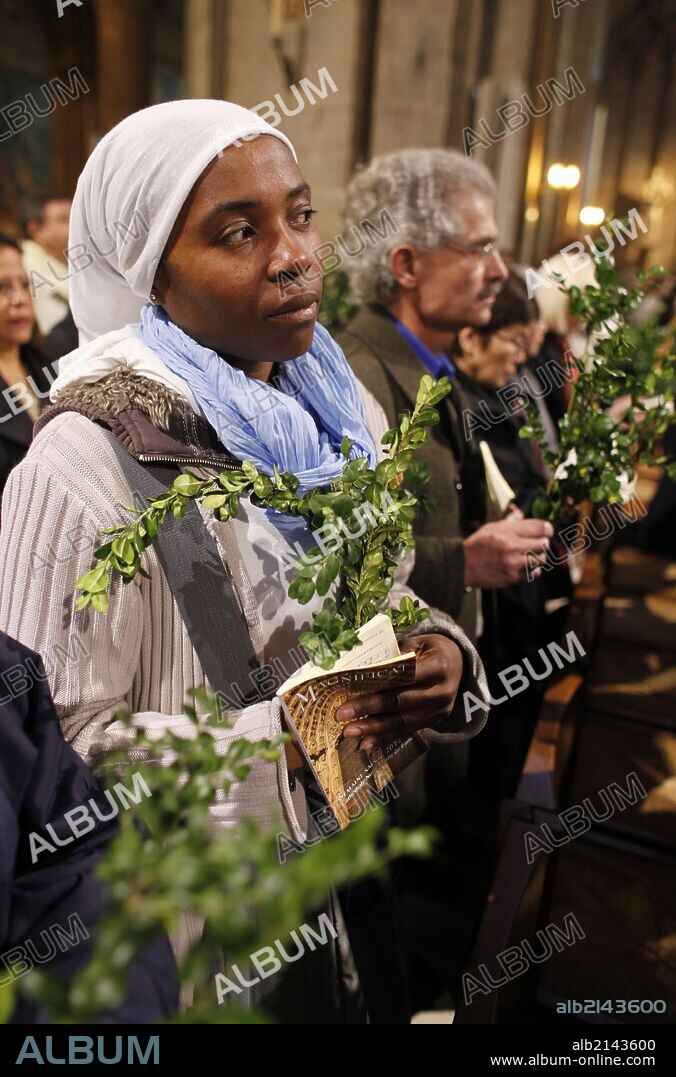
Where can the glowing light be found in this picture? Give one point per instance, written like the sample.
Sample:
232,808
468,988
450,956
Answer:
556,176
572,177
563,177
532,214
592,215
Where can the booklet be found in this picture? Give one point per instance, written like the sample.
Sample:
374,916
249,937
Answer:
347,775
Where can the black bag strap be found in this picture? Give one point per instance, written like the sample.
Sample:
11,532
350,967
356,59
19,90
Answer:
200,584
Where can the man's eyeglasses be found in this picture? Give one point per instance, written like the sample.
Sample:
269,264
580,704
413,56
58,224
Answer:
479,250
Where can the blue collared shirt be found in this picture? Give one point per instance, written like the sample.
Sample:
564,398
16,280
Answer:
437,364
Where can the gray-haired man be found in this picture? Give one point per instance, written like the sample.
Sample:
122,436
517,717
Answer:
439,272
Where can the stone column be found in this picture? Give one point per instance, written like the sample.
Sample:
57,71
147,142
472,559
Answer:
205,59
123,34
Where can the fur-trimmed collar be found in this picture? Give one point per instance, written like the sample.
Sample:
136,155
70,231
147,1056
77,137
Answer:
149,419
124,390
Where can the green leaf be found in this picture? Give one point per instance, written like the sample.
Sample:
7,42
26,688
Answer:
186,484
214,501
302,590
343,505
346,446
95,580
7,1001
100,602
386,471
124,550
128,552
540,508
346,640
328,573
262,486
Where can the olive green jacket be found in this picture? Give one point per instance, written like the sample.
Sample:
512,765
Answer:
389,368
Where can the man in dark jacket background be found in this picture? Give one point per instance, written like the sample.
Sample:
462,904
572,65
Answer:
440,271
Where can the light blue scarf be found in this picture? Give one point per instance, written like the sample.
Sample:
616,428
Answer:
297,426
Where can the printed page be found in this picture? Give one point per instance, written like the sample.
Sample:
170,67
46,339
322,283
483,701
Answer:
378,644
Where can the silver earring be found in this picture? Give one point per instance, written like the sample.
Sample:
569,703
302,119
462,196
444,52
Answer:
153,297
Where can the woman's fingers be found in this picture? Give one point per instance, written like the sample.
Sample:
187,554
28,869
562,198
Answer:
403,700
384,729
383,715
431,670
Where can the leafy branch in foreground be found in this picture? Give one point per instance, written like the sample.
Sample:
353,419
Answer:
167,861
363,522
623,362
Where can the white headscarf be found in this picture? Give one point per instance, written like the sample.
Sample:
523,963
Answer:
139,176
129,196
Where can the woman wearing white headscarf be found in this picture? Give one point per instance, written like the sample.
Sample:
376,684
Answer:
187,218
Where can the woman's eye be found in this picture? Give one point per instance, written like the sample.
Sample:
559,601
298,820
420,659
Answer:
306,215
238,235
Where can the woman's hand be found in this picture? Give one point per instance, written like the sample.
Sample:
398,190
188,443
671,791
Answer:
424,703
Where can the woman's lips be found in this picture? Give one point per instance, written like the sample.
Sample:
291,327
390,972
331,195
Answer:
21,323
299,315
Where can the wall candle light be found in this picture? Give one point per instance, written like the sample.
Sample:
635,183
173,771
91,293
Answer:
592,215
563,177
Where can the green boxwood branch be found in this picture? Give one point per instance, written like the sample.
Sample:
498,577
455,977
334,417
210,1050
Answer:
621,359
363,566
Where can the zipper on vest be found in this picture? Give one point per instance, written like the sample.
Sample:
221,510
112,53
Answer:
158,458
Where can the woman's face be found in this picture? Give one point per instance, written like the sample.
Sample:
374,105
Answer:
239,273
493,361
16,305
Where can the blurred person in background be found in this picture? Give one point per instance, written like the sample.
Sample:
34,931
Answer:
46,229
535,379
487,359
658,302
24,379
564,341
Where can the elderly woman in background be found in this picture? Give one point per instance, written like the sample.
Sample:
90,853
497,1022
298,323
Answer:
487,358
191,355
